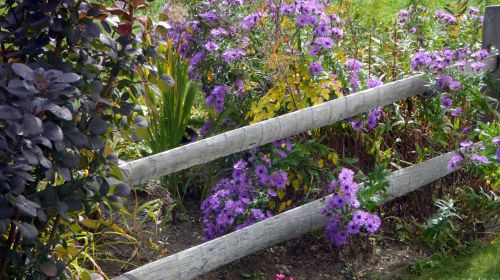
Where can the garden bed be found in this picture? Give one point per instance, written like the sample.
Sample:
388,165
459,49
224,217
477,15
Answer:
387,256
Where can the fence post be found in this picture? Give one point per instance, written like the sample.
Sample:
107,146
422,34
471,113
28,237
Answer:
491,38
491,27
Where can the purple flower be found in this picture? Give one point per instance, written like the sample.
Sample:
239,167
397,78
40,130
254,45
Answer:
218,32
420,59
209,16
353,227
314,50
315,68
446,102
338,201
196,58
445,17
261,171
331,186
337,32
498,154
442,81
359,216
325,42
211,46
454,86
240,164
466,144
353,65
250,20
477,66
275,179
466,129
456,112
373,82
454,162
372,223
231,55
496,139
257,214
357,125
346,175
206,127
374,117
322,30
272,192
479,159
480,55
281,153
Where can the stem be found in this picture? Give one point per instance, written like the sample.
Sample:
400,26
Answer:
54,227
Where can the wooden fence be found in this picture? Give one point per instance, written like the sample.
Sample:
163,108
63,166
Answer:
298,221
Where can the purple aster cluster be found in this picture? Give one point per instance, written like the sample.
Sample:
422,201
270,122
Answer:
438,63
373,82
374,117
235,201
315,69
344,216
231,206
354,66
403,16
474,14
445,17
216,98
477,154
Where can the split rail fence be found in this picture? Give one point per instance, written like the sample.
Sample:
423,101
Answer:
210,255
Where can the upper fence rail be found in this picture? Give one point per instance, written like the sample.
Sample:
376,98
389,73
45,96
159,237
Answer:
241,139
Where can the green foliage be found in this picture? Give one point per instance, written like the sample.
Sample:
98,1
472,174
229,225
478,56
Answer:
460,218
169,97
478,260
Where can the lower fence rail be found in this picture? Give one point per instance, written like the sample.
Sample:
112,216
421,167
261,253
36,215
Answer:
210,255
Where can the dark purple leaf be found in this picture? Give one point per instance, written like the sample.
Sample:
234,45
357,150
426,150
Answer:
122,190
3,226
23,71
6,212
64,172
32,125
60,112
42,140
49,269
93,29
78,139
28,231
67,78
97,126
26,206
8,112
30,156
52,132
140,121
41,215
70,161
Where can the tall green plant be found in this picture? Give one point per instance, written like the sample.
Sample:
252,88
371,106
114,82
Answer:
169,97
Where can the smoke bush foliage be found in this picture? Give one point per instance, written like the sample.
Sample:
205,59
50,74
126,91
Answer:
63,66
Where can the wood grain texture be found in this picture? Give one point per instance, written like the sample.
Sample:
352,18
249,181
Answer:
208,256
241,139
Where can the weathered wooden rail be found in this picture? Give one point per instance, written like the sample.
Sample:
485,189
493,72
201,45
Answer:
291,224
241,139
210,255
